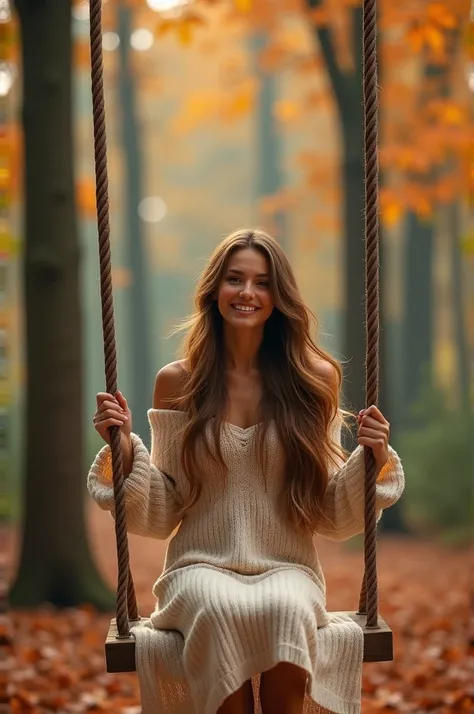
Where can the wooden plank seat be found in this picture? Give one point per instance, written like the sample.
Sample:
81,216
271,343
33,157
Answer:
378,644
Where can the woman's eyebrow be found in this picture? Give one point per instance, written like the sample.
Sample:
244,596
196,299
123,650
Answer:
240,272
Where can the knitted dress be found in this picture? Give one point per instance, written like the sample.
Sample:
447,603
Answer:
240,590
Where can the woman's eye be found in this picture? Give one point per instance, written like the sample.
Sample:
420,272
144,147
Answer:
232,278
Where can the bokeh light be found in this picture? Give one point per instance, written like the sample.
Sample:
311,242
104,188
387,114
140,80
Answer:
152,209
142,39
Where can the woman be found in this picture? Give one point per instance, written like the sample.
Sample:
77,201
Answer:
246,458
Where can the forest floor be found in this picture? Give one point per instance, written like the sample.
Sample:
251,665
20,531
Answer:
55,662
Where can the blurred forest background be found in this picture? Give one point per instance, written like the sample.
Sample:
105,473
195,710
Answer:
222,114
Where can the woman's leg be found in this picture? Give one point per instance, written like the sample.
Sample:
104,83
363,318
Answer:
282,689
240,702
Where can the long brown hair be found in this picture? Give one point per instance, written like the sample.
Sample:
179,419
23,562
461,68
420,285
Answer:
301,403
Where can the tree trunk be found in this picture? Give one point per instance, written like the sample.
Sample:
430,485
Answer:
55,563
418,310
348,93
269,149
347,89
142,375
354,256
457,282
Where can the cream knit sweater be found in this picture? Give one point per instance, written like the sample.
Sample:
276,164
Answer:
240,590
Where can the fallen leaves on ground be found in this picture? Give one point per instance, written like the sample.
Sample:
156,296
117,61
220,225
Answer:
55,660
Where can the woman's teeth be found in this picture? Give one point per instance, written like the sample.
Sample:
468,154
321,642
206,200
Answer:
244,308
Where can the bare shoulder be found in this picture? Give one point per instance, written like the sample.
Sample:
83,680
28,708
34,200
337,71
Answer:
168,384
328,372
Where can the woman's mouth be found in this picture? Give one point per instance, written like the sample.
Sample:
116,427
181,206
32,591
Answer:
248,309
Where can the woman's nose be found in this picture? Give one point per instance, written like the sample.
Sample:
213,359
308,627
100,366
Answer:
247,290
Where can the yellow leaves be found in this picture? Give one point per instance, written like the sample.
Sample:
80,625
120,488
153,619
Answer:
9,245
183,27
243,5
239,102
296,39
467,245
286,110
197,108
429,36
201,107
279,202
453,114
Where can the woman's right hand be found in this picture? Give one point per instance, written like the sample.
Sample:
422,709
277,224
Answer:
113,411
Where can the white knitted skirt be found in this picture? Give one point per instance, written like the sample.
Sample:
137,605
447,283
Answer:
214,629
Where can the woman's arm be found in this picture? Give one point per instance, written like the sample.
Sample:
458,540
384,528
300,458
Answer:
152,499
344,501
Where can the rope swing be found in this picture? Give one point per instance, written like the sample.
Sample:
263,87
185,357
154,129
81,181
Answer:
120,645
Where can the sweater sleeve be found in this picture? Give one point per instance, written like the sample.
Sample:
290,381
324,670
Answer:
151,497
344,501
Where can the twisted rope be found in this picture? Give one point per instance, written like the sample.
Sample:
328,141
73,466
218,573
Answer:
368,601
126,600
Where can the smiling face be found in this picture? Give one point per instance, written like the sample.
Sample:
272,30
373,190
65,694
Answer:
245,297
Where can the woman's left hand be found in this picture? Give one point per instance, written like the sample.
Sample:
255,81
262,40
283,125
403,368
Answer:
374,431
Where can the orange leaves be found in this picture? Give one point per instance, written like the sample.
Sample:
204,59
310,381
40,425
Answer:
320,16
57,664
82,54
182,27
243,5
11,149
430,36
196,108
85,197
442,14
203,106
280,202
421,130
287,111
239,102
430,29
420,198
391,210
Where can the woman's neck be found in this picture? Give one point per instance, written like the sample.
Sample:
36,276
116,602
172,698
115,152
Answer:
241,350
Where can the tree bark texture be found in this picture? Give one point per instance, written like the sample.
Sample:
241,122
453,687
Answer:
56,565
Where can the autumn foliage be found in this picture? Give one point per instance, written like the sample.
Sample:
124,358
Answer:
56,663
424,98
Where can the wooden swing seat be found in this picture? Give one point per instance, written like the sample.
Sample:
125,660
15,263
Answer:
378,644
